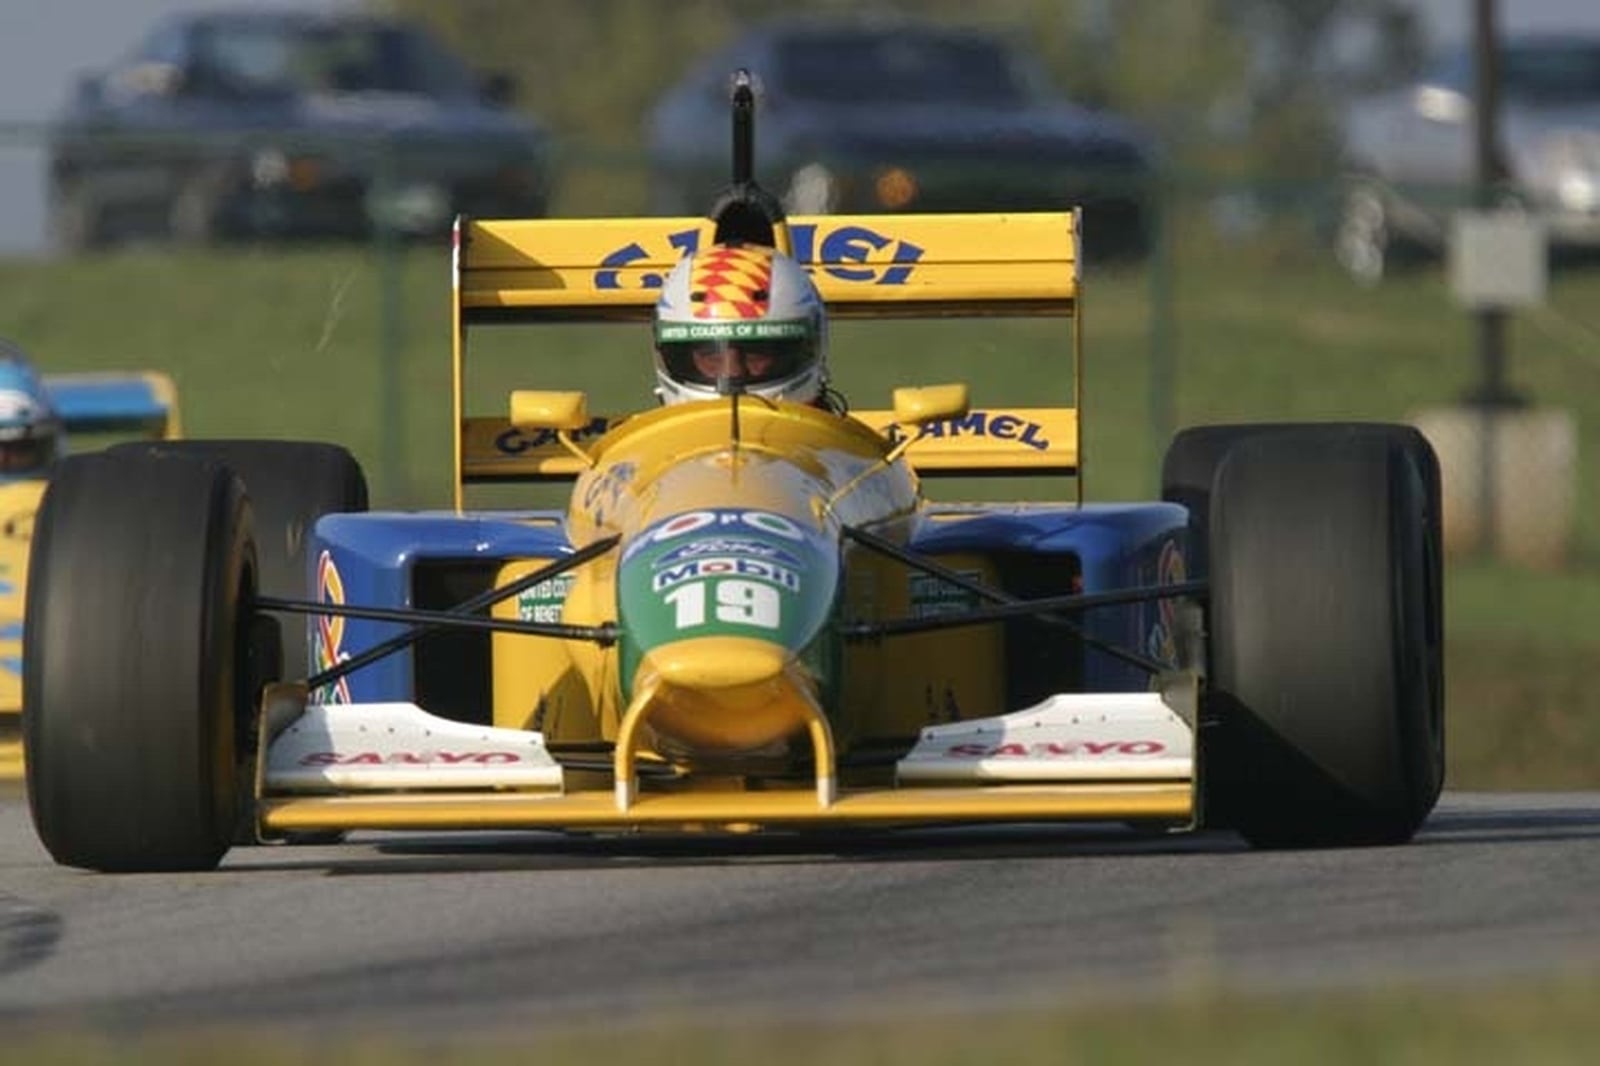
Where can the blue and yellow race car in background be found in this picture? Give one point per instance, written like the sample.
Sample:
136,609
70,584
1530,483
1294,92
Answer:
41,418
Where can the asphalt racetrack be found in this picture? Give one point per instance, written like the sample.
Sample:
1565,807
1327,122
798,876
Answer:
458,935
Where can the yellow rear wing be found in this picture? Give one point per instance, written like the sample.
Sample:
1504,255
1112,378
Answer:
864,266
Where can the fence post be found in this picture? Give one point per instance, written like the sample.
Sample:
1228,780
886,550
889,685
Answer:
391,336
1163,331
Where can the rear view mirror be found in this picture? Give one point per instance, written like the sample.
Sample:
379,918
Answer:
929,403
923,404
561,412
536,409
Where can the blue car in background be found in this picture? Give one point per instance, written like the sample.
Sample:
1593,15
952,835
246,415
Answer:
287,124
866,116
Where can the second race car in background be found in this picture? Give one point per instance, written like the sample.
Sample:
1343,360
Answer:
41,417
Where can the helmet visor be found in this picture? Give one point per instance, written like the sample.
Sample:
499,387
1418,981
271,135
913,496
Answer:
723,354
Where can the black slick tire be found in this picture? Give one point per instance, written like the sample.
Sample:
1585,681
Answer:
135,661
291,484
1325,686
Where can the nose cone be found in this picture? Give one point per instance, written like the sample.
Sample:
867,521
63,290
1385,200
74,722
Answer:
724,694
724,611
717,663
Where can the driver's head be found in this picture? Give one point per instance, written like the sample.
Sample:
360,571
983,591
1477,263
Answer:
740,317
30,431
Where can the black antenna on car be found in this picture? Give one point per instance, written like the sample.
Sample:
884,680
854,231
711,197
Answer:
744,211
744,128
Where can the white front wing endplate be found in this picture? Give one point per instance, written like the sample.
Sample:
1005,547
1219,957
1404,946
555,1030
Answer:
364,746
1121,736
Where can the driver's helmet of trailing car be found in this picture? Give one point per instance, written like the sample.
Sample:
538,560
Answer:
740,318
30,430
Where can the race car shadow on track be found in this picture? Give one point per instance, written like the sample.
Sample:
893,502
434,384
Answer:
1523,825
423,853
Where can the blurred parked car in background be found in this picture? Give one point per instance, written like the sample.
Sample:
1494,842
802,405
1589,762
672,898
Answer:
236,124
872,117
1410,153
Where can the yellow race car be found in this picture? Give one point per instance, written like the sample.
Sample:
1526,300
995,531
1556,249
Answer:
40,418
749,617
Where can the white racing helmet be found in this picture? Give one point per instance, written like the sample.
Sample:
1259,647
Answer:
740,316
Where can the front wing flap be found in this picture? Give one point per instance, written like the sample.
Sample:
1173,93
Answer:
1072,758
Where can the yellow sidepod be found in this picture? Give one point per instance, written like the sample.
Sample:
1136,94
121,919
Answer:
960,672
565,689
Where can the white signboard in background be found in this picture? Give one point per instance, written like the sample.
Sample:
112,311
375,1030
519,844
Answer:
1498,260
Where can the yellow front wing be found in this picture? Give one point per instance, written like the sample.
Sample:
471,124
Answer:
1168,802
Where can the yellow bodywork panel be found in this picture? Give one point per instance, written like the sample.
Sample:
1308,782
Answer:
19,501
1166,802
961,670
1022,440
724,692
557,687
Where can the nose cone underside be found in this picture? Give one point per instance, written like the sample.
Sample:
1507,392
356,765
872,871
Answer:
725,694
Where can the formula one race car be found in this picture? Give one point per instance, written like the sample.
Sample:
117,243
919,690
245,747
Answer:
40,417
749,617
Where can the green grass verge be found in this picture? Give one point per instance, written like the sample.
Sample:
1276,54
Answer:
1552,1022
352,346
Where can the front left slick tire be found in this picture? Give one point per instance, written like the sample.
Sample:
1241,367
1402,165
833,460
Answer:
136,661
